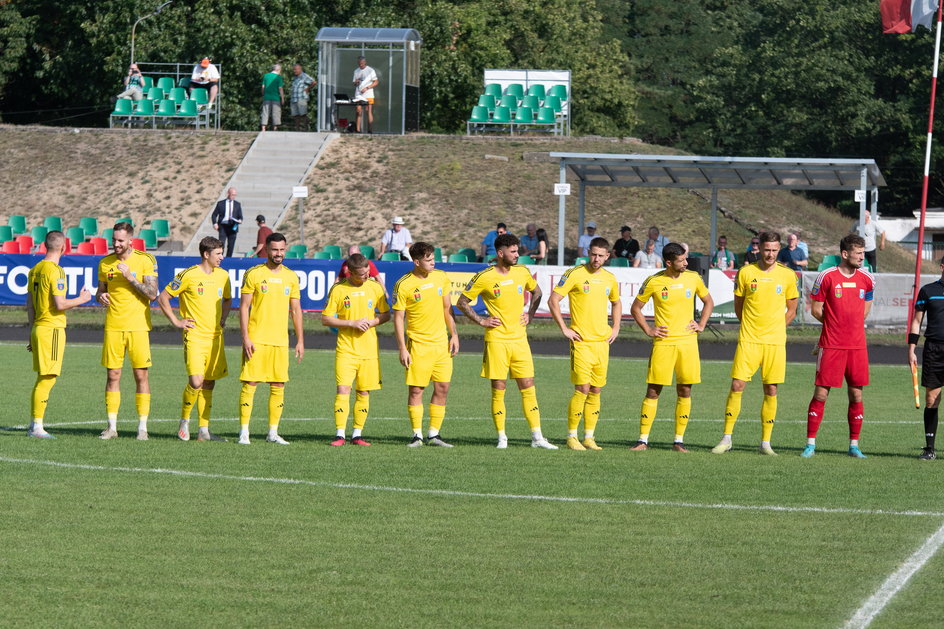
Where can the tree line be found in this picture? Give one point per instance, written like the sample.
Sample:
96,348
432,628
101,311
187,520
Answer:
796,78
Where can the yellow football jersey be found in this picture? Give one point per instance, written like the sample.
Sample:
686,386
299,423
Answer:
47,279
422,299
349,303
765,296
201,298
589,294
271,294
673,300
130,311
503,294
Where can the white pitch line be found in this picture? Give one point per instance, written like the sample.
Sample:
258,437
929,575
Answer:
473,494
874,605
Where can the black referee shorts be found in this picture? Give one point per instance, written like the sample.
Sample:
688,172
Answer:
932,365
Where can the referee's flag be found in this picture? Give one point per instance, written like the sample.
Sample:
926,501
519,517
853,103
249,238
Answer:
905,16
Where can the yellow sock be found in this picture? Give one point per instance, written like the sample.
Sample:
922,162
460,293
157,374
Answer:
361,408
529,403
731,411
768,413
416,416
189,399
204,406
683,407
437,414
246,394
498,409
142,402
647,415
112,403
342,406
591,414
276,404
41,395
575,412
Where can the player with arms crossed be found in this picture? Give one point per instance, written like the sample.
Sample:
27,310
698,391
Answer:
841,300
268,295
930,302
675,339
356,306
765,302
422,313
205,296
588,287
502,287
46,307
127,284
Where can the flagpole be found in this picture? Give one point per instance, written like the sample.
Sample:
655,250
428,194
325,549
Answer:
927,168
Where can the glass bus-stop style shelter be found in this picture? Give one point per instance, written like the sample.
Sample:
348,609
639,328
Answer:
394,53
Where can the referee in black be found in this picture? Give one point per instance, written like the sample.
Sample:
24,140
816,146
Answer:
931,301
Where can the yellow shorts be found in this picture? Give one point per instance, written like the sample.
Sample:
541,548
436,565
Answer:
49,344
362,373
269,363
682,360
771,359
501,356
205,357
588,362
136,344
430,362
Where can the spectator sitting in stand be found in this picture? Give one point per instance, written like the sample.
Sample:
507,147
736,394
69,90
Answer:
659,240
723,259
528,242
134,84
397,238
753,251
206,76
792,255
488,243
648,259
540,254
626,246
583,243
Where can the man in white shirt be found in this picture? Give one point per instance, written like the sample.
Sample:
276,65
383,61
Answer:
648,258
583,243
206,76
365,80
874,237
397,238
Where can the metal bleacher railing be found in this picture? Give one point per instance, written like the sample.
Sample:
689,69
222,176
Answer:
168,78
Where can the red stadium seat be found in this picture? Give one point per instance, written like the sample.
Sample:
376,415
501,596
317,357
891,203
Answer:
11,246
100,245
86,249
25,242
137,243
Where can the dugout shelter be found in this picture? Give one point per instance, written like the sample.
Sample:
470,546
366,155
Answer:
714,173
394,53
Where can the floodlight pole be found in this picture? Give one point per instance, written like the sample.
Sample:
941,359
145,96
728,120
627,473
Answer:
141,19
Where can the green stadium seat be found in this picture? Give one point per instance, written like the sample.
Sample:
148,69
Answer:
479,117
437,254
334,250
322,255
391,256
457,257
177,94
560,91
581,260
126,219
554,102
149,236
516,90
166,110
144,111
188,112
470,254
488,101
367,251
161,227
294,255
509,101
494,89
623,262
155,93
6,233
829,261
18,224
107,234
183,82
39,232
547,118
123,109
75,235
525,260
11,246
524,115
54,223
166,83
302,249
200,95
148,83
537,90
530,101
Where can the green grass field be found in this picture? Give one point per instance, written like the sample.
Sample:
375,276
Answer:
165,533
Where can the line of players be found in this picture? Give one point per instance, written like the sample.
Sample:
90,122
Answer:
765,302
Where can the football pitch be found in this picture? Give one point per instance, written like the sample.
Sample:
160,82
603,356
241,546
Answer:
165,533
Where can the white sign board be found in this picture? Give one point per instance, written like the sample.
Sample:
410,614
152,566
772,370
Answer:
562,189
299,192
859,196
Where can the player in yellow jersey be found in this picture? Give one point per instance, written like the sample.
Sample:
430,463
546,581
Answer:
502,288
46,306
268,295
588,287
127,284
205,297
356,305
675,339
765,301
422,314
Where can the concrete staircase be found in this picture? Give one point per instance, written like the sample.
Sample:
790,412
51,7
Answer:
274,163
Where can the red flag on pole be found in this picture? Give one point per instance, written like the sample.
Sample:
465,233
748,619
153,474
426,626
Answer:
905,16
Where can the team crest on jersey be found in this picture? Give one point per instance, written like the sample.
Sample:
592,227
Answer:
665,292
347,302
264,288
563,280
520,289
754,286
779,288
200,291
838,291
417,295
370,304
688,293
496,290
175,285
219,292
862,294
288,291
439,291
607,291
111,275
60,284
586,287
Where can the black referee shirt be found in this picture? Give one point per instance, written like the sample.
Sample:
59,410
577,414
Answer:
931,302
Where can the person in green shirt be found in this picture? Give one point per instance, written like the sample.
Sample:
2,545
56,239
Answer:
272,97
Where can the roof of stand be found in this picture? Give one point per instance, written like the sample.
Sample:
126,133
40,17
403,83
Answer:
368,35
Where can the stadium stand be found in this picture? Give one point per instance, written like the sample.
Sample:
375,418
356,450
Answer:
161,227
11,246
456,257
53,223
367,251
25,243
391,256
149,236
334,250
39,233
533,100
76,235
301,249
322,255
6,233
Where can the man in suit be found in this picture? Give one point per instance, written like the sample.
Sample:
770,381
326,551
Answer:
227,215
